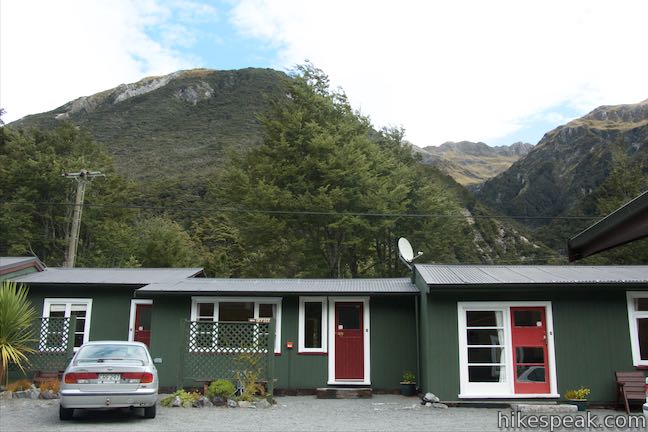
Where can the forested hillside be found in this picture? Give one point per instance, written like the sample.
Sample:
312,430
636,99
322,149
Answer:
322,195
577,173
180,125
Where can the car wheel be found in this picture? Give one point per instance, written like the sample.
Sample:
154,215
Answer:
65,413
149,412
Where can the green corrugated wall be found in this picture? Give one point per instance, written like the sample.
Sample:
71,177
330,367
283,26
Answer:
591,336
392,332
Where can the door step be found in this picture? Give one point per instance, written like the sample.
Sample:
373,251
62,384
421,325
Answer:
344,392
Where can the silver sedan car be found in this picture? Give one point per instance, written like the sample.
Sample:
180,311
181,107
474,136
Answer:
109,374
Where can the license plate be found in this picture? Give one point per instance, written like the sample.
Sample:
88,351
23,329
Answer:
109,378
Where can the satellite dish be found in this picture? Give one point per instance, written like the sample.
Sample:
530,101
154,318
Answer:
405,249
406,253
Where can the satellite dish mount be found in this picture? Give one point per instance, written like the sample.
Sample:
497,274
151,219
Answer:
406,253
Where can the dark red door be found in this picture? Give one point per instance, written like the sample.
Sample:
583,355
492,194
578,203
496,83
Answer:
530,358
142,330
349,341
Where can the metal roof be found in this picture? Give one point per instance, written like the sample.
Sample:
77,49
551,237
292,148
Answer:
108,276
626,224
248,286
10,265
527,274
13,261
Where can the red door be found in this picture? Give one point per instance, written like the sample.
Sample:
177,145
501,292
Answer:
142,330
530,358
349,341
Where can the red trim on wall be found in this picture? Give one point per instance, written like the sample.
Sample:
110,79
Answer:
313,353
22,266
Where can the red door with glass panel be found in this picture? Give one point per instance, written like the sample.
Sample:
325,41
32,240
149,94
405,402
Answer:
142,330
529,343
349,341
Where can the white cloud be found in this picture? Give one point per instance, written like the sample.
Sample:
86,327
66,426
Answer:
55,51
453,70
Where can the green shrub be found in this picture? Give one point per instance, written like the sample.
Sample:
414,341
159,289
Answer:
222,388
186,398
408,378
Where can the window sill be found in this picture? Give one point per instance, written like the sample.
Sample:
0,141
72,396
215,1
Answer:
315,353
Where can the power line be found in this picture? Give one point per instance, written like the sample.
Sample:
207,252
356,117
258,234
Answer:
297,212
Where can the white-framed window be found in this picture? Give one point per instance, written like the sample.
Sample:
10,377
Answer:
53,336
638,320
486,361
312,325
232,309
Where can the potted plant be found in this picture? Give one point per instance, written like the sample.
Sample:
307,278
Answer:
578,397
408,384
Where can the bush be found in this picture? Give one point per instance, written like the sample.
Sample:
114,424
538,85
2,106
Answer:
222,388
409,378
186,398
580,394
23,384
52,384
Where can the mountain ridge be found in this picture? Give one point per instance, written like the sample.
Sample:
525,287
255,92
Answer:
210,113
472,163
549,179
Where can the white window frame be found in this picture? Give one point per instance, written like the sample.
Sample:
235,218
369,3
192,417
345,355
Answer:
507,389
302,324
68,306
633,316
256,300
367,340
133,310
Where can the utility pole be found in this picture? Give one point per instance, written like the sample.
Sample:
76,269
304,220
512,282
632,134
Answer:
82,178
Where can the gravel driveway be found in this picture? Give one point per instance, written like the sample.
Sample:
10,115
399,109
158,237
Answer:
304,413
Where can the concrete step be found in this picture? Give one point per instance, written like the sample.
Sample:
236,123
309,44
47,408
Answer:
543,408
344,393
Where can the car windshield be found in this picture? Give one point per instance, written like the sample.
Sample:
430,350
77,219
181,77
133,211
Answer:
101,353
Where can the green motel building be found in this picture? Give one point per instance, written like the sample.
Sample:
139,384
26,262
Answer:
468,332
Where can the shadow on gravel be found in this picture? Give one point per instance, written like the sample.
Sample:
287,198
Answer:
118,415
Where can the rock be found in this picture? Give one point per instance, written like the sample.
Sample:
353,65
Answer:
23,394
218,401
49,394
202,403
6,395
176,402
263,404
428,404
231,403
430,397
245,404
439,405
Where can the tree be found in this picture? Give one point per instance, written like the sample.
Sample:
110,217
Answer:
317,157
16,331
35,216
161,242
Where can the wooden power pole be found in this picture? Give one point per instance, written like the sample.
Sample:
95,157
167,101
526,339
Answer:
82,178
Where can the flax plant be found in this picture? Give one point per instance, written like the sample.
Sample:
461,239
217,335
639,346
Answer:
16,331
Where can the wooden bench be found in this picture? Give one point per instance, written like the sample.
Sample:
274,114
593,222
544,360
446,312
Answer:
631,386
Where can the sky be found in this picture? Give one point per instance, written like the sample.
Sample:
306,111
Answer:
497,71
